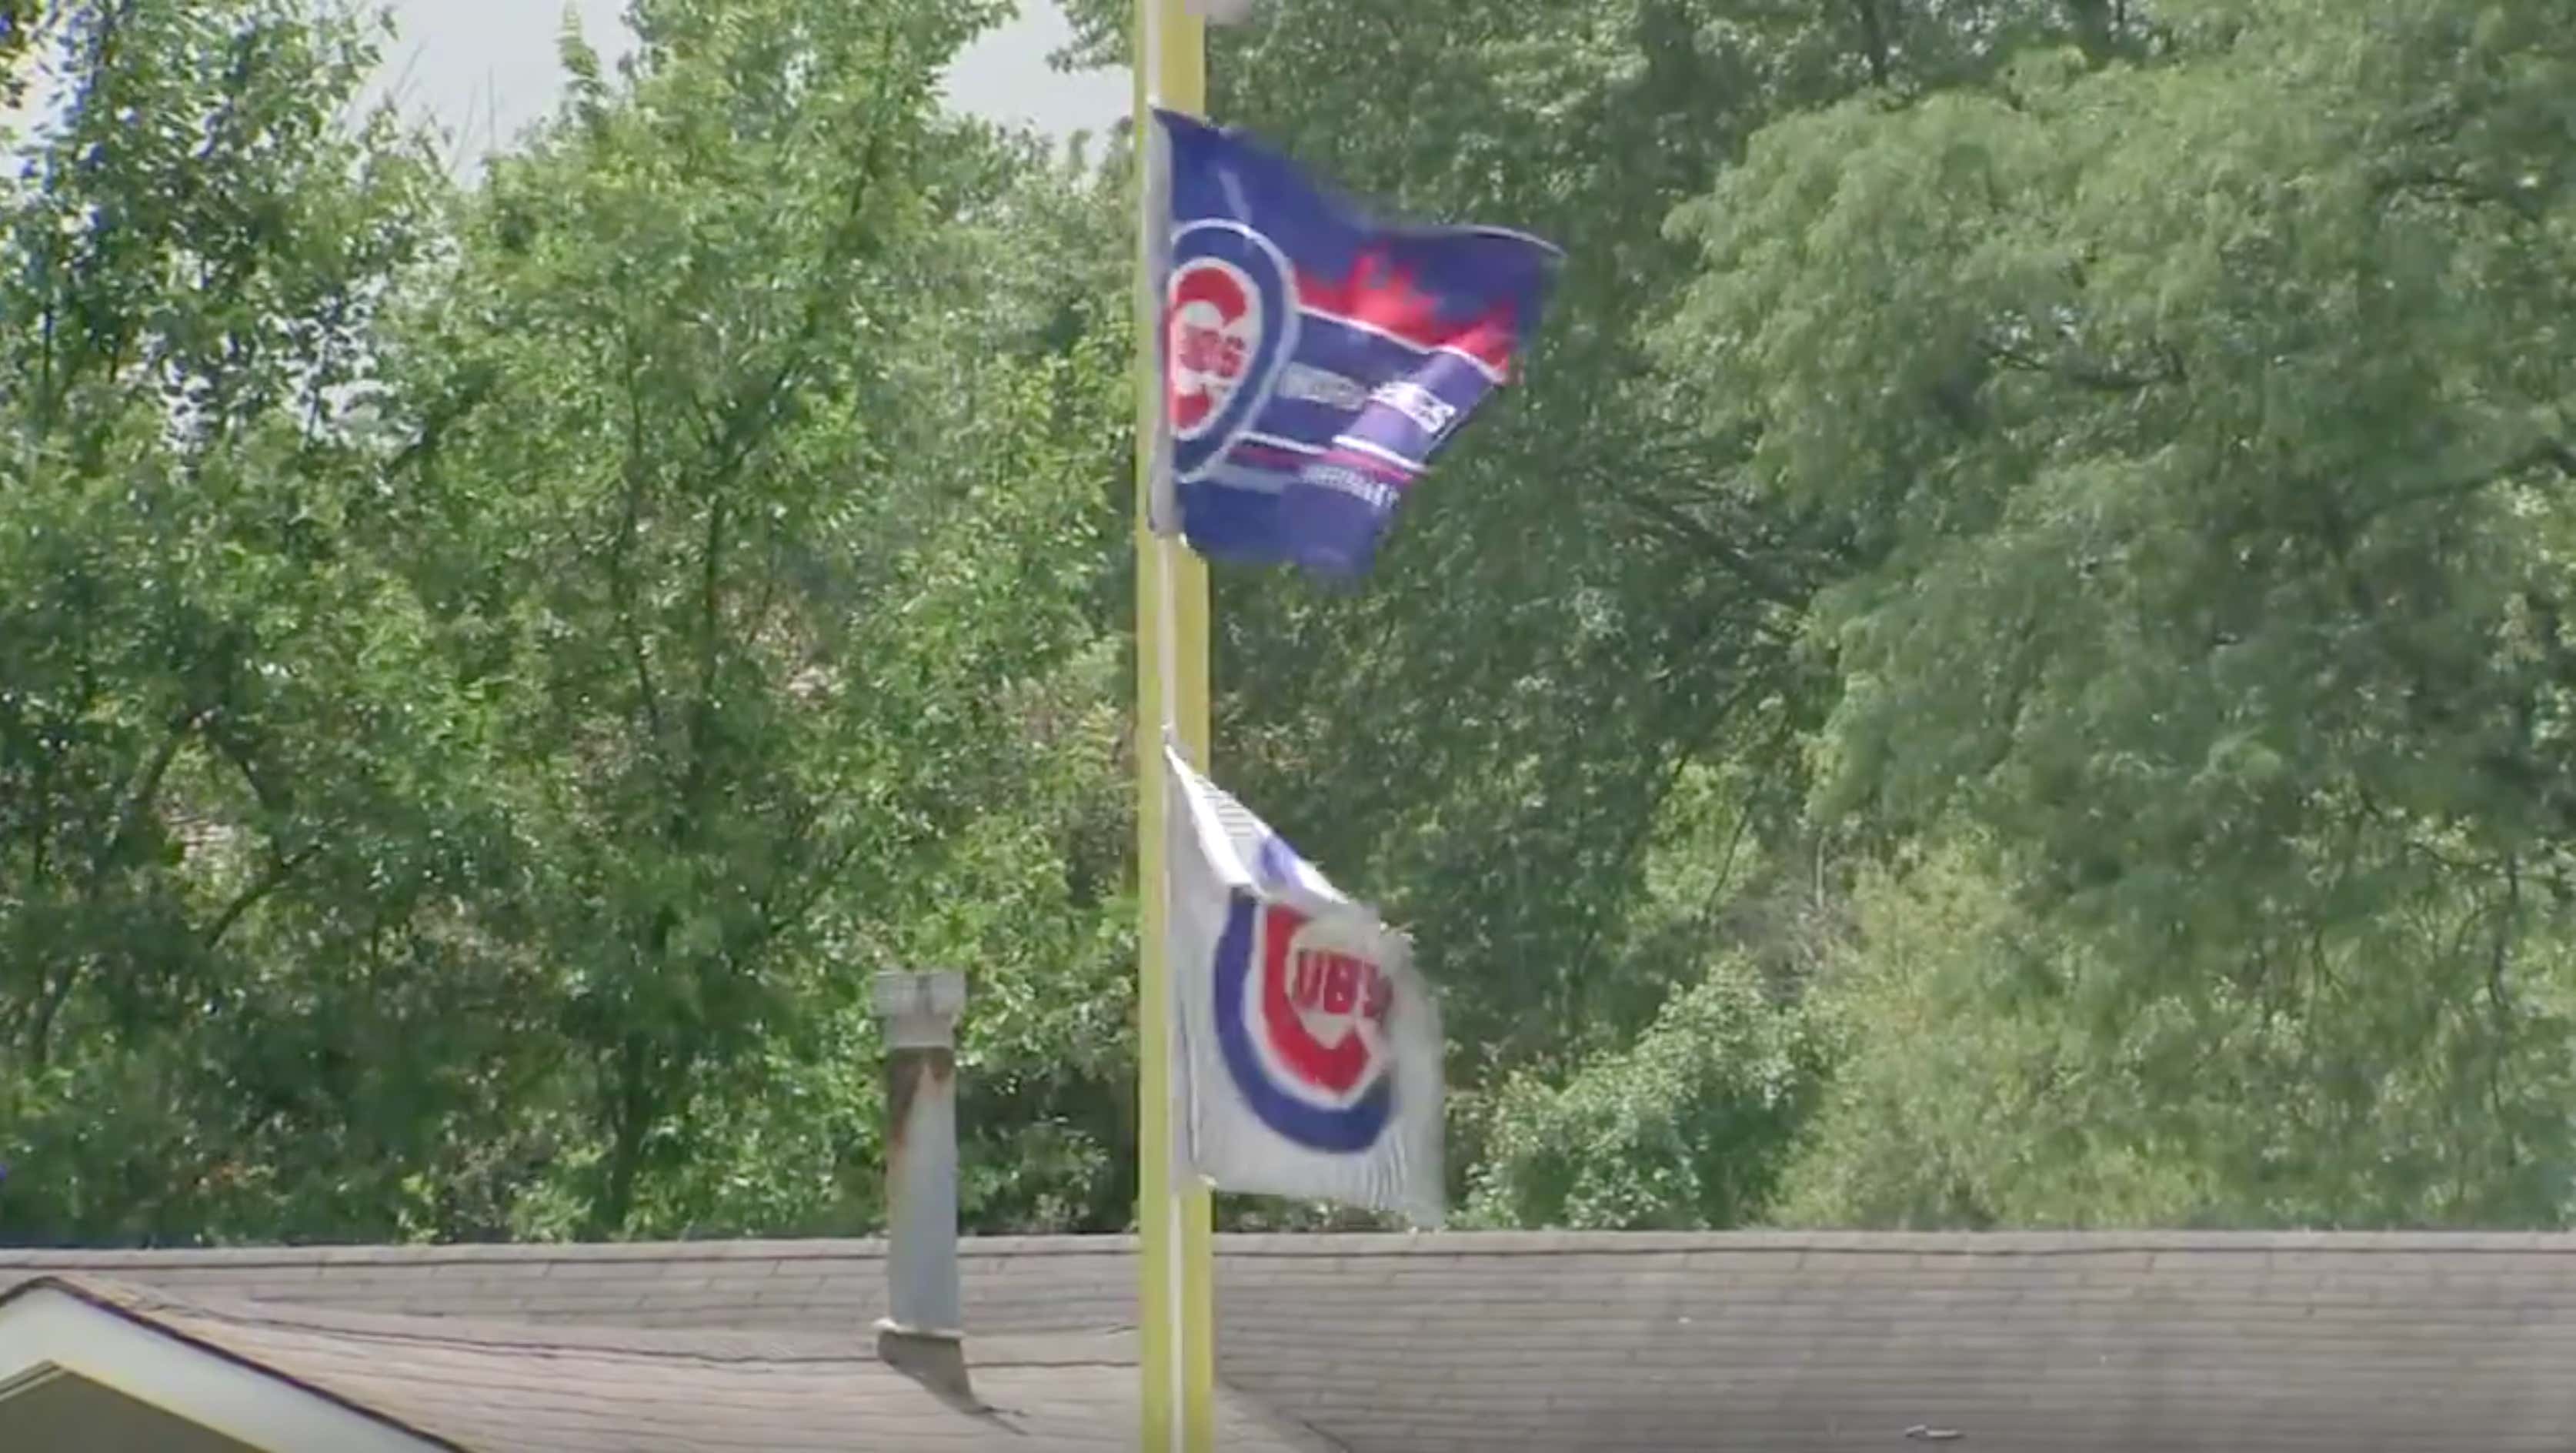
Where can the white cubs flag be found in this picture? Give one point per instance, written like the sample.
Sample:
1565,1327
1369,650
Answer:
1307,1061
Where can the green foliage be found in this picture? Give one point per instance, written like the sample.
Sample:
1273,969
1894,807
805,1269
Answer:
2201,431
2004,661
489,678
1588,603
225,747
1538,592
1991,1072
21,21
769,588
1688,1126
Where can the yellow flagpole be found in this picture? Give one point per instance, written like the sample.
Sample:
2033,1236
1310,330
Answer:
1177,1282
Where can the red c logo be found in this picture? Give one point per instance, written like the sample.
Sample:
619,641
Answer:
1331,983
1211,329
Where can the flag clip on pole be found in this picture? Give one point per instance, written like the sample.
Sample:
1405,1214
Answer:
1177,1358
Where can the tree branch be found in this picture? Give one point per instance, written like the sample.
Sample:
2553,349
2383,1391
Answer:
140,793
2459,189
260,888
40,1031
621,578
2085,373
774,925
2548,453
710,618
1873,31
1767,583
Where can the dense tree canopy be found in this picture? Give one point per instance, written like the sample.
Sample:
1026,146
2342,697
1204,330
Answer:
2203,432
489,676
2005,661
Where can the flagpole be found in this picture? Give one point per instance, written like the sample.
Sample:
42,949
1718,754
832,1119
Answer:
1176,1282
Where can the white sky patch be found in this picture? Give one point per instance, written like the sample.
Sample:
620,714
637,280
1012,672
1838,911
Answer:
484,70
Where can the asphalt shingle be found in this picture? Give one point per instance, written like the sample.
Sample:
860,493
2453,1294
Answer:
489,1387
1032,1284
2029,1344
1778,1342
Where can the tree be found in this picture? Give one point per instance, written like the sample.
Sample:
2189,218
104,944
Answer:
20,20
2202,443
2003,660
1582,606
233,782
1688,1126
779,557
489,677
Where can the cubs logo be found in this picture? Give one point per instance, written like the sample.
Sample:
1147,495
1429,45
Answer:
1301,1018
1215,326
1229,323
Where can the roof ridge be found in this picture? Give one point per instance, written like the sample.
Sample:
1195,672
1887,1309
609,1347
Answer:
1089,1347
112,1298
474,1252
1891,1243
321,1261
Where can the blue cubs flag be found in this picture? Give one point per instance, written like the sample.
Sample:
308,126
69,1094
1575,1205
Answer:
1307,1053
1314,361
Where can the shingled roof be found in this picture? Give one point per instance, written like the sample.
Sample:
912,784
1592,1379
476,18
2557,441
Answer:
2254,1343
477,1385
